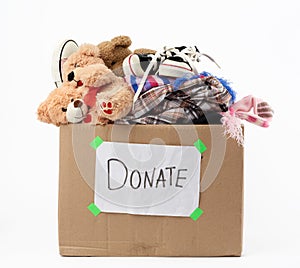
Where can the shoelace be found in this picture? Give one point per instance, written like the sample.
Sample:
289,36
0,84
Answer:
190,54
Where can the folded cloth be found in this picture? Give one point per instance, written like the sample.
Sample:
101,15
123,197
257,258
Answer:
189,104
225,83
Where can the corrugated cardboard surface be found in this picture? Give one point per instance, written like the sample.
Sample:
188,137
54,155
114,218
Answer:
218,232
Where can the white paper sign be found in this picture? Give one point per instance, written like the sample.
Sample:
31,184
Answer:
147,179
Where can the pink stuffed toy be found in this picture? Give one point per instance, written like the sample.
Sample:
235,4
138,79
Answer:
261,115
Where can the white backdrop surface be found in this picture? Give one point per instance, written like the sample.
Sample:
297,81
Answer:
257,42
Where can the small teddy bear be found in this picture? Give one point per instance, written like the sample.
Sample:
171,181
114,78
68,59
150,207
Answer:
114,52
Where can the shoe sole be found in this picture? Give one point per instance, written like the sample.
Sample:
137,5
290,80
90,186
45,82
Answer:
61,53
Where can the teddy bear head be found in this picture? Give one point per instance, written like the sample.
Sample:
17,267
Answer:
114,52
56,107
86,54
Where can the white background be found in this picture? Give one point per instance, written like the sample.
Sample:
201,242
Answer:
257,42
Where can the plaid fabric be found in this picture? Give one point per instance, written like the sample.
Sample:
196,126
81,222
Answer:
190,103
151,82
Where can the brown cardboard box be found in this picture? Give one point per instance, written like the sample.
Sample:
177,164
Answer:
218,232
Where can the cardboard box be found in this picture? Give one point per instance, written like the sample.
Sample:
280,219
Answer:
218,232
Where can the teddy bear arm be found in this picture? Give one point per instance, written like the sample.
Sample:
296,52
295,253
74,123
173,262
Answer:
43,113
123,100
144,51
122,40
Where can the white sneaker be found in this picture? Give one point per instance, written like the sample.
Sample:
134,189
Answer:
169,62
136,64
173,62
175,66
60,55
179,61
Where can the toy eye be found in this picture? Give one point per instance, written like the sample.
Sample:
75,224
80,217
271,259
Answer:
113,63
76,65
72,100
64,109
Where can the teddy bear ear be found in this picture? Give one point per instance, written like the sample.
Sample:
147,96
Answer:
122,40
89,50
43,114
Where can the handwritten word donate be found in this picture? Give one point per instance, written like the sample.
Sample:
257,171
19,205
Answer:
169,176
147,179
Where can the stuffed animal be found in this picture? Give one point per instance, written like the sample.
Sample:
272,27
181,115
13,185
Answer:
115,51
94,95
56,107
85,55
64,104
107,96
144,51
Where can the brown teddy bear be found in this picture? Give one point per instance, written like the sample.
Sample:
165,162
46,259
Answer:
94,95
115,51
64,104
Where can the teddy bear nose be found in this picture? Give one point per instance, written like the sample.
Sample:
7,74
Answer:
77,103
71,76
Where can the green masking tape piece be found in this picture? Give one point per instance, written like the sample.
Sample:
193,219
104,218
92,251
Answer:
196,214
200,146
94,209
96,142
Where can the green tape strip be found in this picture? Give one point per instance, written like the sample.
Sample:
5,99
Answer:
96,142
94,209
196,214
200,146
